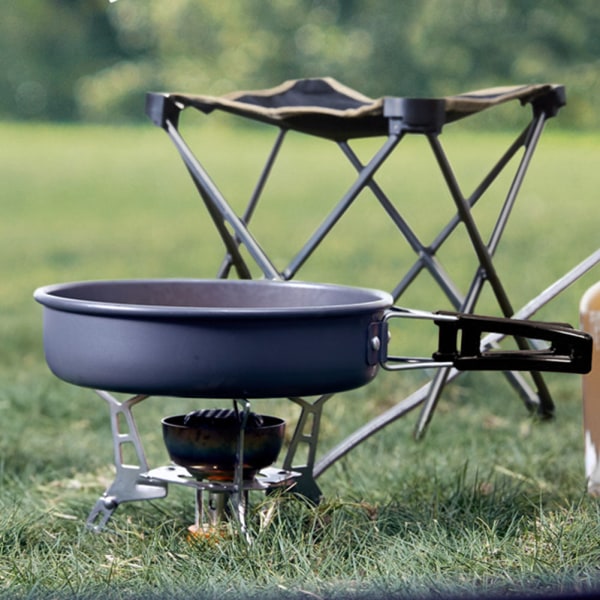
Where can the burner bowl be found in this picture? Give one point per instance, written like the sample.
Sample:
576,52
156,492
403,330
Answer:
206,444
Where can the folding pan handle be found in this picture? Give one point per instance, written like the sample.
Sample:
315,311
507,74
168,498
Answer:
569,350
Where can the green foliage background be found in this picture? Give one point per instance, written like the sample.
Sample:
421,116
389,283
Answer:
94,60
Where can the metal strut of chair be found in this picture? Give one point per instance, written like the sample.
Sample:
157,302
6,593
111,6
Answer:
327,109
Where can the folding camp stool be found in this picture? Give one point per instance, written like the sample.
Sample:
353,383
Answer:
331,111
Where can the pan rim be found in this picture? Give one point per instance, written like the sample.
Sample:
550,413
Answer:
360,300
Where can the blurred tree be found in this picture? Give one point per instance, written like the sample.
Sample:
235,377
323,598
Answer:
95,59
45,47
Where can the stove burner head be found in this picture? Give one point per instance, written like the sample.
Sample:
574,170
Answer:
205,442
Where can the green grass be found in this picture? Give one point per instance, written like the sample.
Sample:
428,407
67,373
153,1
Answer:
491,502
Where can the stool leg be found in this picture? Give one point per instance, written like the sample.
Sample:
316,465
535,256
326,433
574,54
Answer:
435,391
487,271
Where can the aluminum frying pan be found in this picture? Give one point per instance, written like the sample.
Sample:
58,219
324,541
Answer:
263,339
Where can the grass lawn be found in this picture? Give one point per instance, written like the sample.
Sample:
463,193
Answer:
492,501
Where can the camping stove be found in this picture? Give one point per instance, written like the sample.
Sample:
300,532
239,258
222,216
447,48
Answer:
222,454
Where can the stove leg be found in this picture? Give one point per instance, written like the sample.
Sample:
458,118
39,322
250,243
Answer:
307,432
239,498
199,510
216,509
127,485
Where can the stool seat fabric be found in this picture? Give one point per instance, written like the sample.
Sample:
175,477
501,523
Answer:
327,108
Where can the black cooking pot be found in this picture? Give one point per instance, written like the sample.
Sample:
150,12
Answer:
207,444
250,339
